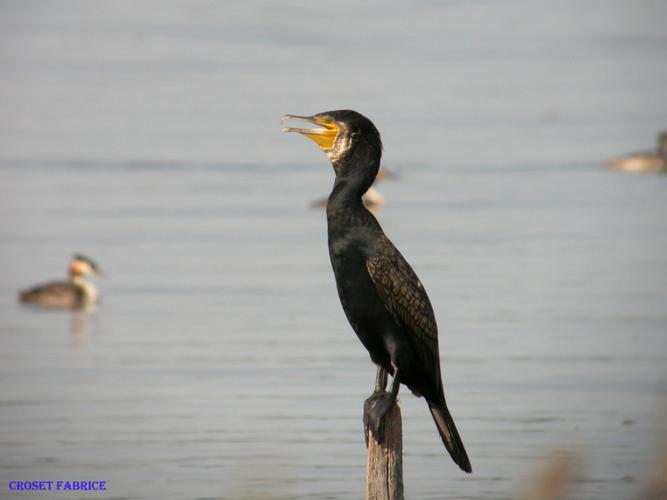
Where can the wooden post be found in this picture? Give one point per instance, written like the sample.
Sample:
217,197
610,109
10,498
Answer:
384,469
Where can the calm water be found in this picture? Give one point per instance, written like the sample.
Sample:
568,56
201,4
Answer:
220,364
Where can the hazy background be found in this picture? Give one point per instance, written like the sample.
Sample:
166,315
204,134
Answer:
220,365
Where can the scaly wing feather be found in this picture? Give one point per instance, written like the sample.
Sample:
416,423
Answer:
405,299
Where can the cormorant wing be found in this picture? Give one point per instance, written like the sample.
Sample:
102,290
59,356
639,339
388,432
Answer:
405,299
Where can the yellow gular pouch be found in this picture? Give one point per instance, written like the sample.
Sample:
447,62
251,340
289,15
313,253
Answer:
324,137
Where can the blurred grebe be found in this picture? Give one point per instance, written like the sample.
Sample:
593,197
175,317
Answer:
650,161
74,293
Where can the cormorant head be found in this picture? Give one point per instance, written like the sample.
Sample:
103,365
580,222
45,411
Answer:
349,139
81,266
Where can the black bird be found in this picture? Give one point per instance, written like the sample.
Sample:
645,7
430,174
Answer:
381,295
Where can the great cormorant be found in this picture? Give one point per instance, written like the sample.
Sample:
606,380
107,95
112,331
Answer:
75,293
381,295
648,161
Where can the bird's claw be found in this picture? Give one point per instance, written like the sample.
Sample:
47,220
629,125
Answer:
376,408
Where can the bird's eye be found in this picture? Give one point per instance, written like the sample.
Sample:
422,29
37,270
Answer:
327,119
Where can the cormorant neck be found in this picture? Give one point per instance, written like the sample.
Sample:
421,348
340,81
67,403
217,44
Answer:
345,194
353,178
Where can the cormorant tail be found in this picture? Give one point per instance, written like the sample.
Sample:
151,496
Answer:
449,435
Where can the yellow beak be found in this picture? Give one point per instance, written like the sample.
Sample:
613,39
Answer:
324,137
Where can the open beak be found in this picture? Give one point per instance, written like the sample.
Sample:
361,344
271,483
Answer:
324,137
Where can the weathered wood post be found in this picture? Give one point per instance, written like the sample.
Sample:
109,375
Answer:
384,469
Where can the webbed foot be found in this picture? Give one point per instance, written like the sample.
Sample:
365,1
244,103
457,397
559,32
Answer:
375,409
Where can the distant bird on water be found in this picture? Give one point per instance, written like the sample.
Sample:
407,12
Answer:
75,293
381,295
649,161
